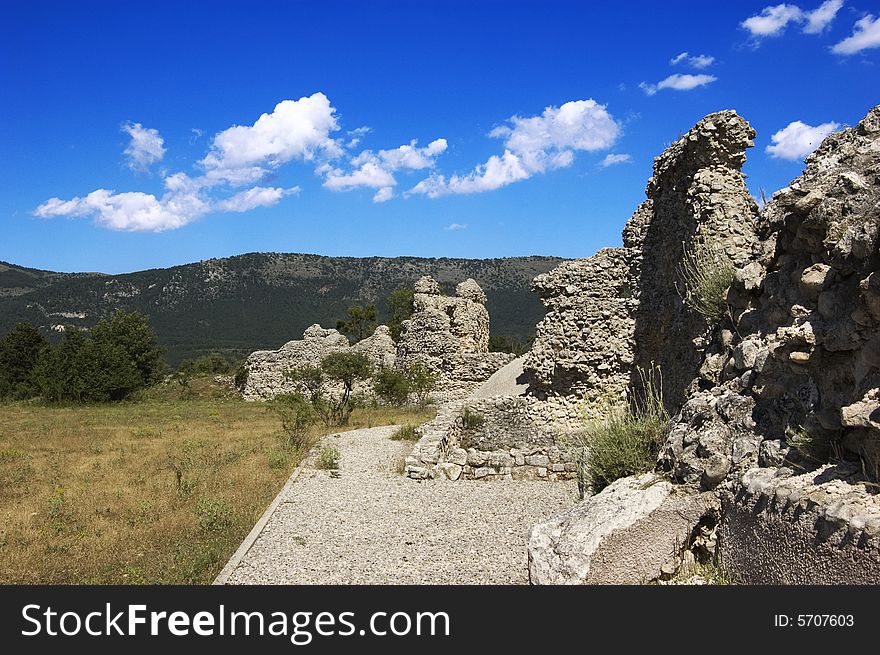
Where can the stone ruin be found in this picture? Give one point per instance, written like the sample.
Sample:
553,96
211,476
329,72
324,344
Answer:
449,335
792,369
608,316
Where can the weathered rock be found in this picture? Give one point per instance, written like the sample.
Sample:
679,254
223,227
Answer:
821,527
623,535
379,347
267,368
450,336
808,333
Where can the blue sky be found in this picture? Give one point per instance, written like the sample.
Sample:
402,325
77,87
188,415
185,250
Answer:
478,129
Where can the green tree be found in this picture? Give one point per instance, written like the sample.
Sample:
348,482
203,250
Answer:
343,370
132,333
400,309
421,381
82,370
361,321
392,385
19,351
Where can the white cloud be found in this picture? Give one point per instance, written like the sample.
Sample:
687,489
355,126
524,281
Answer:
772,21
145,148
533,145
384,194
797,140
613,158
376,169
678,82
452,227
370,174
296,129
699,61
356,135
130,211
258,196
866,34
821,17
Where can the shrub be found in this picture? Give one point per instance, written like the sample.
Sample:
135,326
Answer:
502,343
297,417
361,321
627,441
405,433
471,420
84,370
277,458
816,446
328,458
421,382
240,378
392,385
131,333
214,514
707,273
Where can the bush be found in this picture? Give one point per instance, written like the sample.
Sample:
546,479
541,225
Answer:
240,378
328,458
405,433
214,514
361,322
471,420
707,273
84,370
297,417
627,441
501,343
131,333
19,351
421,382
400,309
392,385
277,458
344,368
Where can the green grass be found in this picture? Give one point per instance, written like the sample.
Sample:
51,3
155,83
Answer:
406,432
707,273
626,442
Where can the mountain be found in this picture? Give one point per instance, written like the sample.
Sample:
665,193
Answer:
259,300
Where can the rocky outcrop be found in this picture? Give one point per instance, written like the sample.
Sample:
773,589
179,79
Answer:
697,194
632,533
449,335
267,368
803,359
379,347
621,310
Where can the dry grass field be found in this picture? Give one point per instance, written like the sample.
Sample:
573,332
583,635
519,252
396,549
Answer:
160,490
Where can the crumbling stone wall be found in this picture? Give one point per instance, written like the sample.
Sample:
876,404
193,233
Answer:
450,336
622,308
583,349
696,194
504,440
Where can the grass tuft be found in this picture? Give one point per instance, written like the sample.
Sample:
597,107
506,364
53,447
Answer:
707,273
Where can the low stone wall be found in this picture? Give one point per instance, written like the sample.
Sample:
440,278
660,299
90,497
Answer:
502,440
816,528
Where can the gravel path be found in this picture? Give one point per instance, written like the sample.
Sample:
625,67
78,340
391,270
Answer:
371,525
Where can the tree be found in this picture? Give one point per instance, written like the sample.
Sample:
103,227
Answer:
421,382
392,385
83,370
361,321
132,332
344,369
19,351
400,309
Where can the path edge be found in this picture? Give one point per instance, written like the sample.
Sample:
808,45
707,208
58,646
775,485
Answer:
257,530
